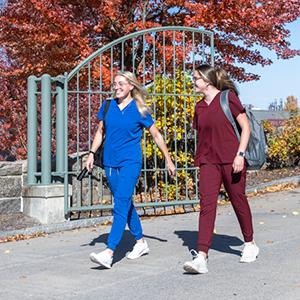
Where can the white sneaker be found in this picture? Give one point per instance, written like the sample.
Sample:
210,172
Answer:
198,265
139,249
103,258
249,253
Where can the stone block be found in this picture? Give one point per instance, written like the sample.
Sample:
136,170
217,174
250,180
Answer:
10,168
11,186
10,205
45,202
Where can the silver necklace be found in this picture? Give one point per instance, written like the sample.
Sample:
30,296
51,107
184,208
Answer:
126,107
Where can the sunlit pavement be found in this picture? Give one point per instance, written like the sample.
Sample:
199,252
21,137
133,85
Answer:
57,266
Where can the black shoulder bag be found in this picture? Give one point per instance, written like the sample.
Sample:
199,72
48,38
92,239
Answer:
98,157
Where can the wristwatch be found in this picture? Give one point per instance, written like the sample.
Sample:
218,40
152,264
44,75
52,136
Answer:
241,154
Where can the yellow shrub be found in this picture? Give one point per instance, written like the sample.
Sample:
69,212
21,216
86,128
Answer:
173,106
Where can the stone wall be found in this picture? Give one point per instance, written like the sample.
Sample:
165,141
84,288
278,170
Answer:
12,177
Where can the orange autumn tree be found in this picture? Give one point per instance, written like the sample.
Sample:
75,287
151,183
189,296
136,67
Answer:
54,36
291,105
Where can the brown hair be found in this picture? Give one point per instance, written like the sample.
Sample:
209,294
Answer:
217,77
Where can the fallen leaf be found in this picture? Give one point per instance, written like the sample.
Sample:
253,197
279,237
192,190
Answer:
261,223
296,285
269,242
272,210
23,277
284,216
295,213
215,231
7,252
181,209
76,231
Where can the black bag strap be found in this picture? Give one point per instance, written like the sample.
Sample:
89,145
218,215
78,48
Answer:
106,107
107,103
226,109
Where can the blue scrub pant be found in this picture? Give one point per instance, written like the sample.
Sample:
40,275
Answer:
121,182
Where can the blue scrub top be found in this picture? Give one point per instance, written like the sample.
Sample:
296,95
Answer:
123,134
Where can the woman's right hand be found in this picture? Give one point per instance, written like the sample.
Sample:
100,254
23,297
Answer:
89,163
171,168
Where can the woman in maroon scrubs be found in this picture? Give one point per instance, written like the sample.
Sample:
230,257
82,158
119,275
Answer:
220,157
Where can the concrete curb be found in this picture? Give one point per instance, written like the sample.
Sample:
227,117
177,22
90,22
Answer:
69,225
294,179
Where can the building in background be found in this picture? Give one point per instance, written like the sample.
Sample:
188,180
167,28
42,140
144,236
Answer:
275,117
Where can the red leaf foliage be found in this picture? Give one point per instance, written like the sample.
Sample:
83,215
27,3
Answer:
42,36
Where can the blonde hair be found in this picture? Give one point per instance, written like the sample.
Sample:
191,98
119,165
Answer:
138,93
217,77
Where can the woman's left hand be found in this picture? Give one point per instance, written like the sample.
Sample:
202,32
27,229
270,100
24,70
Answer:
238,164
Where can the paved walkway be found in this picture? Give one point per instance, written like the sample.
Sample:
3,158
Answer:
57,266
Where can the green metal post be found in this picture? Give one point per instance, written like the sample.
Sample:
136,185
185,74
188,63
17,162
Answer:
65,114
212,49
32,130
46,129
60,127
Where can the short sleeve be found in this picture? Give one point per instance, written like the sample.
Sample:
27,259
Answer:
147,121
235,104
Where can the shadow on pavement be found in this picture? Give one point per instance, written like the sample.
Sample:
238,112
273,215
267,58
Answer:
220,242
126,244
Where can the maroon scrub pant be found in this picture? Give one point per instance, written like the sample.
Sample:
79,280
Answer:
211,178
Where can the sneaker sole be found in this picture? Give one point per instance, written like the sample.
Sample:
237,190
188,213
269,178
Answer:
95,260
190,269
142,253
249,261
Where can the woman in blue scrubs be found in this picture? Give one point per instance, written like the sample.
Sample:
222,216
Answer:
127,115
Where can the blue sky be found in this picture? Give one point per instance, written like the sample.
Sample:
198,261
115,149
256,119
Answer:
280,80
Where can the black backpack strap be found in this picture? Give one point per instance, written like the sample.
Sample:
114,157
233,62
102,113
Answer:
106,107
226,109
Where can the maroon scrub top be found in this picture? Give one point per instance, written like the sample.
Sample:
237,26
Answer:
217,141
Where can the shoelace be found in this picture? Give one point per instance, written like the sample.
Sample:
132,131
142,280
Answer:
138,245
247,250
